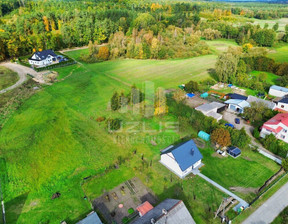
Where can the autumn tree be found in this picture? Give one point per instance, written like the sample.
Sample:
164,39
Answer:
103,53
221,136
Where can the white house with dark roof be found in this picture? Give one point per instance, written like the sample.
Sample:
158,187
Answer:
278,91
42,58
181,159
282,105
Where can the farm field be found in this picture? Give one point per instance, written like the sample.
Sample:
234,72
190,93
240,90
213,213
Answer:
7,77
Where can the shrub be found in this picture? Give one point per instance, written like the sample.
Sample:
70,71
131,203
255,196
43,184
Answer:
113,124
256,133
130,210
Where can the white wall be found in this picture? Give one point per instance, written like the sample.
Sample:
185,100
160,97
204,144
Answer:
282,106
282,135
169,161
277,93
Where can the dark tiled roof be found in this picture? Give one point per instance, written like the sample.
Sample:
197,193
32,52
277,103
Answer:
44,54
237,96
284,100
176,212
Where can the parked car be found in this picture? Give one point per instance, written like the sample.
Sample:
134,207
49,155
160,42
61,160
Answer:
237,121
229,125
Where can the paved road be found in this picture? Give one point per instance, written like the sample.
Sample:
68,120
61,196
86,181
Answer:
241,201
230,117
267,212
21,70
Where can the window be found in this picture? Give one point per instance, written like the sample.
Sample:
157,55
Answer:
282,106
283,136
285,130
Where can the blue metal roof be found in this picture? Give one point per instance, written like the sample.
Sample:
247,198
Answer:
240,103
186,154
279,88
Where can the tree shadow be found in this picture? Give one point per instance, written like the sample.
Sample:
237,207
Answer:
14,207
212,73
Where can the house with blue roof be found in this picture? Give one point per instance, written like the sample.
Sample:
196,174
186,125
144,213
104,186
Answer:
91,218
181,159
278,91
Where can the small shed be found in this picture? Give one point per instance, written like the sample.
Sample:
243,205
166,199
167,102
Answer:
203,135
234,151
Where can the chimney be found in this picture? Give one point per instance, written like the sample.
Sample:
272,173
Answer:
164,211
192,151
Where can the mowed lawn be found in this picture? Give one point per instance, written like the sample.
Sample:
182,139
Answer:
164,73
271,78
250,170
280,53
221,45
7,77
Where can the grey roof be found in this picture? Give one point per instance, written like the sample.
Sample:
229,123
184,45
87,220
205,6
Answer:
267,103
43,54
279,88
176,213
209,106
215,115
92,218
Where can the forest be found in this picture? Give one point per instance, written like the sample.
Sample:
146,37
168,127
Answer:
133,29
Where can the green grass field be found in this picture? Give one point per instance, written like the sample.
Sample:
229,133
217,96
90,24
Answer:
7,77
250,170
53,141
279,53
282,22
221,45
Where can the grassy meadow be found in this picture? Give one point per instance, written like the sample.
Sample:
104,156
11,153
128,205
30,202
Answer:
279,53
7,77
53,141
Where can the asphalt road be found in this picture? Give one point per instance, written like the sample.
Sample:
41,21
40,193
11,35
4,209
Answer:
267,212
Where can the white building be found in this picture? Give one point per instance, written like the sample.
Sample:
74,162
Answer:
236,105
282,105
212,109
181,159
42,58
278,91
278,126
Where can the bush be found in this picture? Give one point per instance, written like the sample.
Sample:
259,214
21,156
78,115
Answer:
130,211
113,124
256,133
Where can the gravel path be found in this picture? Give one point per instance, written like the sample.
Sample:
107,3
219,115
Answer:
21,70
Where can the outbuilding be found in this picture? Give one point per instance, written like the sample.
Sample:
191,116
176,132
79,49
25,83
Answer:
181,159
237,105
212,109
278,91
234,151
